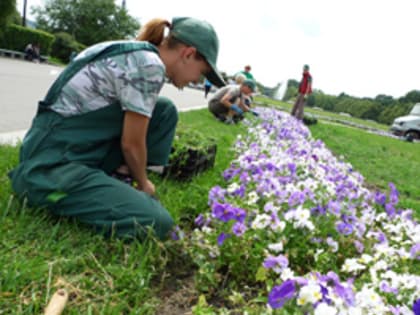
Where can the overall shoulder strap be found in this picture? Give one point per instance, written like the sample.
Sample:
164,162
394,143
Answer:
94,53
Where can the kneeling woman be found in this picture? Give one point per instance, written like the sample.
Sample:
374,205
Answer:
104,111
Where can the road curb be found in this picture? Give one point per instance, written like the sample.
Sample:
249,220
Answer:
14,137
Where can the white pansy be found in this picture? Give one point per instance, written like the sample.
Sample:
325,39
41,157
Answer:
261,221
373,276
287,274
353,311
351,265
207,230
277,247
278,226
381,217
367,298
252,198
309,294
233,187
317,253
365,259
289,215
325,309
380,265
302,214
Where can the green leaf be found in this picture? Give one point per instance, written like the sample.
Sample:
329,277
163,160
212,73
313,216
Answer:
261,274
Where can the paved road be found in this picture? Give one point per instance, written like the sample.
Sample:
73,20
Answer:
23,84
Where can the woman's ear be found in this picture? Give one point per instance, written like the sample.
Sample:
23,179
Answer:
189,52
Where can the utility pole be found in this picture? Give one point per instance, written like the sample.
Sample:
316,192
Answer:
24,13
123,4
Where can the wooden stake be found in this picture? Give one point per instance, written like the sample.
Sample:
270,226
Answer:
57,303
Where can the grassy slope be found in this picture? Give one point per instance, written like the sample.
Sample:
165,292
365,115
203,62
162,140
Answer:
322,113
380,159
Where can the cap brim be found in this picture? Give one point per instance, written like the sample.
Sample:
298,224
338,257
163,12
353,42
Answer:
215,78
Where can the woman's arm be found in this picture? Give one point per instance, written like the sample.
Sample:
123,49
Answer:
226,100
133,145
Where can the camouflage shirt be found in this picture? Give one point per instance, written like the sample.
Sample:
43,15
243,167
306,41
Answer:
132,79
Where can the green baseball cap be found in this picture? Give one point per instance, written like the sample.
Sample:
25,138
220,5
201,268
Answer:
201,35
250,83
306,67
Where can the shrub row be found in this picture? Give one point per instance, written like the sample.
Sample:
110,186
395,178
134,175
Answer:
64,45
16,37
59,45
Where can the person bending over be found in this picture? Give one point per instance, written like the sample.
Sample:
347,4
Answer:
104,111
229,103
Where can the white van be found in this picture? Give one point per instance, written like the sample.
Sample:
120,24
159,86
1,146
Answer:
408,126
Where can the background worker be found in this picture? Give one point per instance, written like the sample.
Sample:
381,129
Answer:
104,111
228,104
305,88
207,87
239,78
247,73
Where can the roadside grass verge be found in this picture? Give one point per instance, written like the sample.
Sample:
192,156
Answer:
321,113
40,253
379,159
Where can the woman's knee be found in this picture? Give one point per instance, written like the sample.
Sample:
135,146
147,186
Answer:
165,107
164,224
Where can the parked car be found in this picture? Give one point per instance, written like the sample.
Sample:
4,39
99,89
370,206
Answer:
408,126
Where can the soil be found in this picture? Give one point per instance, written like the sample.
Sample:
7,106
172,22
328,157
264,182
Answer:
178,296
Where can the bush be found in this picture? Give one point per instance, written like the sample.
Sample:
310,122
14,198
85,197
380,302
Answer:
17,37
309,119
64,45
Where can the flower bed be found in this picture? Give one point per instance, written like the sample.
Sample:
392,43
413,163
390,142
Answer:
295,229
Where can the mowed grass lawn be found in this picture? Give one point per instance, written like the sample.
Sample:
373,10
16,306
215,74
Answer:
40,253
379,159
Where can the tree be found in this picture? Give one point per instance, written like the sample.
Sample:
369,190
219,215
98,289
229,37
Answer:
88,21
7,11
385,100
411,97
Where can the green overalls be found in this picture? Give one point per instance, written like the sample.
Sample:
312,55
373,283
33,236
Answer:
65,162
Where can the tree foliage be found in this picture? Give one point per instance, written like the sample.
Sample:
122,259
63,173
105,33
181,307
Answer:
7,12
88,21
7,9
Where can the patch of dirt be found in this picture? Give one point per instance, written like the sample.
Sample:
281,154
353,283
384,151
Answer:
177,296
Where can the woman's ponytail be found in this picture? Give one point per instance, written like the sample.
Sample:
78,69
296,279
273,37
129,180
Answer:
153,31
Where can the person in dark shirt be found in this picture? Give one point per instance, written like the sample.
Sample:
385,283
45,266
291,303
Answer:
305,88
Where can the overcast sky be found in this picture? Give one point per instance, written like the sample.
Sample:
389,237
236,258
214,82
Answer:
360,47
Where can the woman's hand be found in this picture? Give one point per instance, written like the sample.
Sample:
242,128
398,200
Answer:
148,187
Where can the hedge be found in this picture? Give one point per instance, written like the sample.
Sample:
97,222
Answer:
63,45
16,37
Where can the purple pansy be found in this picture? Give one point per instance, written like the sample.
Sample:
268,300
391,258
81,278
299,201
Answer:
416,307
415,251
344,228
223,212
276,262
280,294
238,229
380,198
221,238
